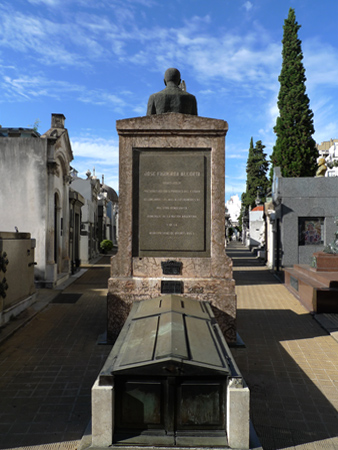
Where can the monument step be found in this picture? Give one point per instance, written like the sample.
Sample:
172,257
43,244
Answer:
301,275
320,279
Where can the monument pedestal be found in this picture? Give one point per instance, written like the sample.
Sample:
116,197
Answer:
326,262
172,217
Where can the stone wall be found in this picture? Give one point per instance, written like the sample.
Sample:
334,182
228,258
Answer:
297,198
24,190
18,250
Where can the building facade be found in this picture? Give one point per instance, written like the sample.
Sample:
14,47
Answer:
303,217
89,188
99,214
34,198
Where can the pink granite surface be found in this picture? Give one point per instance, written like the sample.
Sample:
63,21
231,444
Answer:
326,262
138,278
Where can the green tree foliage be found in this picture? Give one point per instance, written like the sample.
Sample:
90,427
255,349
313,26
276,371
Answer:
241,214
295,150
256,178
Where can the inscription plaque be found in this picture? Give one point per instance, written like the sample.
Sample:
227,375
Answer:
171,287
173,202
171,267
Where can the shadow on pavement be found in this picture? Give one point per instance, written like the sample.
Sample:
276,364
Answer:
254,277
281,364
287,408
49,366
254,270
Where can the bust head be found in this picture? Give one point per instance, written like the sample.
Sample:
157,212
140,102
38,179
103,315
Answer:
172,98
172,75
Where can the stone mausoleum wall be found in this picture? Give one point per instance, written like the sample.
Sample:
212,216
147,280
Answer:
298,201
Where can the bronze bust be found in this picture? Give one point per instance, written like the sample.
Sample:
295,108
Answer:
172,98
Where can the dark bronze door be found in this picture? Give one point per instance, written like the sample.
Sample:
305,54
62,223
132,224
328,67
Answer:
170,411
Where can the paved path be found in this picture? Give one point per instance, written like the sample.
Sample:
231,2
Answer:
290,363
47,368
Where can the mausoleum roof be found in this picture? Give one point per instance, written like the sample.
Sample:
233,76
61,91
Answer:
167,335
18,132
112,195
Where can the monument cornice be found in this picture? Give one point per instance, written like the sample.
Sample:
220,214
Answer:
169,124
173,132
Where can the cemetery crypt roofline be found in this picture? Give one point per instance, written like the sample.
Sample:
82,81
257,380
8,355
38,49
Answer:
19,132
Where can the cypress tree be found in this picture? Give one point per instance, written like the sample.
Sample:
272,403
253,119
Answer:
256,179
295,150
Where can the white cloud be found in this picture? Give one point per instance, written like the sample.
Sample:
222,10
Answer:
249,59
26,88
235,185
34,35
320,62
91,37
242,64
105,150
236,156
248,6
99,153
325,118
45,2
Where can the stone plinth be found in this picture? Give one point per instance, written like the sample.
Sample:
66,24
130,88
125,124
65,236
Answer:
326,262
317,290
171,207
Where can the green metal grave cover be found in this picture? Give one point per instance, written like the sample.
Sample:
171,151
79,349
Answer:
169,335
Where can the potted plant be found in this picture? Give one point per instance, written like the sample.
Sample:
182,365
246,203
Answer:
106,246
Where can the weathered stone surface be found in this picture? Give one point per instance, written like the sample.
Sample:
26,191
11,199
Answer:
138,277
102,415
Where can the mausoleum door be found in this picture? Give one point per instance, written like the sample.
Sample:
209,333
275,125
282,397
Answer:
171,411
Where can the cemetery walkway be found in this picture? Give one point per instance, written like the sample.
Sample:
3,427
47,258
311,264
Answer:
48,366
290,362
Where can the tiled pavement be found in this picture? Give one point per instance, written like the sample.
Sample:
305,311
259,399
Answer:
47,368
290,363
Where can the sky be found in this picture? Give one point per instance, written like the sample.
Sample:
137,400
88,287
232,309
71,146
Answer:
98,61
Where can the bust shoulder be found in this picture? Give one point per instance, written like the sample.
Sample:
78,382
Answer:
172,98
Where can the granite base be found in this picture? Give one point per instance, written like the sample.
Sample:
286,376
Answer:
122,292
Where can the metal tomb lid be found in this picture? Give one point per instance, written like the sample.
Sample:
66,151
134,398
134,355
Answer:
170,335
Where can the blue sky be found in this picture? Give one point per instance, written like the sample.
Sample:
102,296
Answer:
97,61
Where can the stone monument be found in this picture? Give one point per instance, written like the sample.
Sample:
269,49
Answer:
172,210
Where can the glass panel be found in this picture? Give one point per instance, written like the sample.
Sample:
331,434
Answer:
200,405
141,405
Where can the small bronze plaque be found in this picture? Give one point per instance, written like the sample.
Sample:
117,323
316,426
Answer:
171,287
171,267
